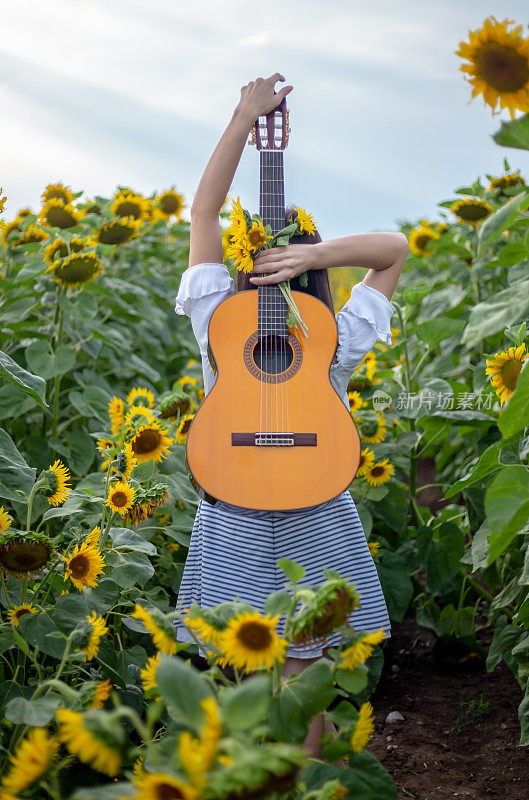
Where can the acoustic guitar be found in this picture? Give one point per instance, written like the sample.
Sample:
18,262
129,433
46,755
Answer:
272,433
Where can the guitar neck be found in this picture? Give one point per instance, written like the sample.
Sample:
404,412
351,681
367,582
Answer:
272,306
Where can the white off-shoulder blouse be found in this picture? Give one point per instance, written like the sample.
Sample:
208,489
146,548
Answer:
362,320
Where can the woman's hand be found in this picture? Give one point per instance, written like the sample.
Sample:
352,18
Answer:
284,262
258,97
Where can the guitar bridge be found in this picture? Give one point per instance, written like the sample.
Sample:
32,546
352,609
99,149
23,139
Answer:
274,439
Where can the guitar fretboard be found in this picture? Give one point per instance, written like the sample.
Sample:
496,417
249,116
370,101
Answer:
272,306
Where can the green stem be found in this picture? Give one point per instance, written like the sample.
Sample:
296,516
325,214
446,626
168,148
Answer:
57,379
36,486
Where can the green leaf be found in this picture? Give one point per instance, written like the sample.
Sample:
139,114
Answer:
441,556
278,603
499,311
506,507
515,412
514,133
501,219
365,777
437,330
46,362
396,584
294,571
281,241
488,462
34,385
129,568
353,681
182,687
127,539
32,712
246,705
16,477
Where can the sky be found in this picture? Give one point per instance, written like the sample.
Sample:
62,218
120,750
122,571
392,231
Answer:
105,93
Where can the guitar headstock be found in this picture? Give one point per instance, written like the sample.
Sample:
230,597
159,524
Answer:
271,131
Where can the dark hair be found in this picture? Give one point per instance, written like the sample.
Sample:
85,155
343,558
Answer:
318,279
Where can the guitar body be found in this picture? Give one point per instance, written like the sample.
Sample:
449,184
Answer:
271,434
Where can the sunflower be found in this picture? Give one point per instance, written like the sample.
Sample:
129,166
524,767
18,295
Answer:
146,502
250,641
498,65
148,673
54,250
506,181
151,442
57,190
372,431
121,497
503,370
55,213
118,231
56,489
197,754
176,405
33,233
94,536
126,461
93,629
8,228
170,203
139,395
139,414
5,520
160,630
16,612
91,741
77,269
160,786
237,219
24,555
374,547
471,210
129,204
84,565
327,610
204,629
257,236
367,459
101,693
29,763
239,252
421,237
187,382
183,428
116,413
355,401
359,652
380,473
305,221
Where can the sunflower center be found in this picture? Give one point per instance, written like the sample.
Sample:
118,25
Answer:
502,67
254,636
472,211
377,471
129,209
369,427
21,611
255,237
164,791
510,373
78,269
185,426
170,204
147,441
19,556
423,240
119,499
361,462
79,566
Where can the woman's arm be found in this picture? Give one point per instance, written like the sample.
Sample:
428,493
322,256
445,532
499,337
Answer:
383,254
257,98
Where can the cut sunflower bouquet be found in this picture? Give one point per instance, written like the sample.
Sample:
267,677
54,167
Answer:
248,235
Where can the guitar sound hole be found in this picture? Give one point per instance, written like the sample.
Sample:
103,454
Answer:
273,354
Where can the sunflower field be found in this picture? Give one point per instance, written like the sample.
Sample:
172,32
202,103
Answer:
100,381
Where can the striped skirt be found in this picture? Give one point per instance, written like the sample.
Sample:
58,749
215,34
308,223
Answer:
233,553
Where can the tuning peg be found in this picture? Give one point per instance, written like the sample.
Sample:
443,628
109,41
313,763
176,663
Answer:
252,139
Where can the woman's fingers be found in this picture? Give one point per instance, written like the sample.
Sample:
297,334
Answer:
270,254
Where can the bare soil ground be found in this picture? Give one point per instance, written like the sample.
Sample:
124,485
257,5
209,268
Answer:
460,733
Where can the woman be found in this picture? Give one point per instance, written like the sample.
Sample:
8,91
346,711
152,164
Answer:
233,551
